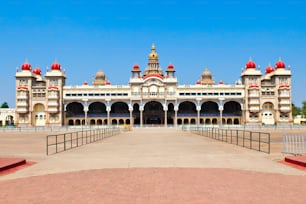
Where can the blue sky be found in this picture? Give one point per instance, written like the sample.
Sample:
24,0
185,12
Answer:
86,36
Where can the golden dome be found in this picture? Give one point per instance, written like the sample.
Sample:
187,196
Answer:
100,75
153,54
206,73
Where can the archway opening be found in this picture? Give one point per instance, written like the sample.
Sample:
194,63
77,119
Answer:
120,109
39,114
268,113
153,113
75,110
188,109
136,114
97,110
209,109
170,114
232,108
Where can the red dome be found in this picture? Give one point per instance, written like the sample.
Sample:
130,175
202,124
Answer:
26,66
55,66
37,71
85,83
269,69
198,82
135,66
170,66
221,82
250,65
280,65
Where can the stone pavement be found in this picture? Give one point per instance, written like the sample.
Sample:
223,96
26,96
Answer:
155,147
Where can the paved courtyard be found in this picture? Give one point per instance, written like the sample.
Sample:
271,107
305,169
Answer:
163,164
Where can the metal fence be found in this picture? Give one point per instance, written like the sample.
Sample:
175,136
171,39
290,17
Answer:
259,141
61,142
294,144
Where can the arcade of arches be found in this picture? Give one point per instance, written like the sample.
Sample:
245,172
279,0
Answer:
153,113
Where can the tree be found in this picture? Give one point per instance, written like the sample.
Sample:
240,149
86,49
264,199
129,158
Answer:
4,105
296,110
304,108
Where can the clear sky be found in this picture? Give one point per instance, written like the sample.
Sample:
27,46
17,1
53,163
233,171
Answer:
85,36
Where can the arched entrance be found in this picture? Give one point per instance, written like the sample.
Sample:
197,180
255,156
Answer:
9,120
209,109
186,112
232,110
170,114
268,114
96,110
136,114
39,115
120,109
153,113
74,110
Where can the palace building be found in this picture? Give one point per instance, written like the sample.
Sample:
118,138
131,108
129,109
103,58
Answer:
153,96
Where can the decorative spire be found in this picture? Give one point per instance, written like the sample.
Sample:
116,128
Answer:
153,64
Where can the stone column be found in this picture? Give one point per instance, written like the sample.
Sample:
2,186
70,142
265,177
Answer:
175,115
221,102
198,114
221,116
141,116
108,109
86,111
165,109
131,114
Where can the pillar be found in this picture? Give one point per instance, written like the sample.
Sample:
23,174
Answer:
165,109
221,111
86,111
141,115
198,114
131,114
175,115
108,109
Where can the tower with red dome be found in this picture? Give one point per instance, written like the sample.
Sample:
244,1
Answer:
39,98
267,95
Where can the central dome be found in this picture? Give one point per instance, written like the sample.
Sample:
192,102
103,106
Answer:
153,54
100,75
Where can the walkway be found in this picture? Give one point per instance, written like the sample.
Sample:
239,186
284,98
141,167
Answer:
156,165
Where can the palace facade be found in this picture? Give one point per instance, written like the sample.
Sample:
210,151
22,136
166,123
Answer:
153,96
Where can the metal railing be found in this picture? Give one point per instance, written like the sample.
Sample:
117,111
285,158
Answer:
294,144
65,141
259,141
